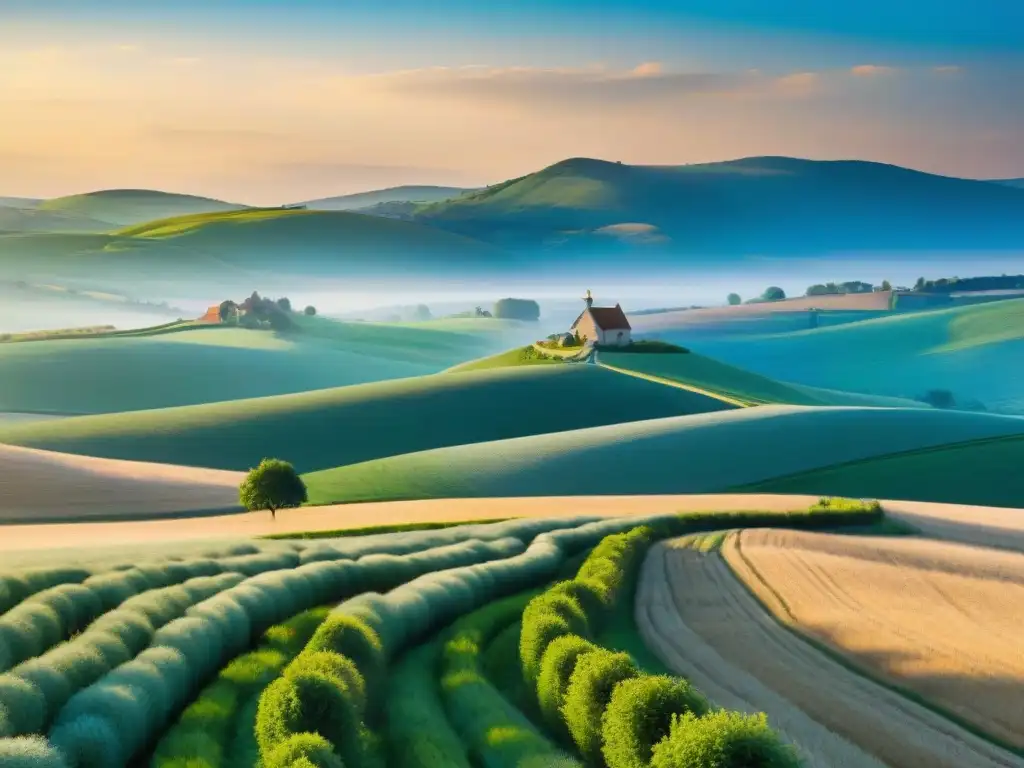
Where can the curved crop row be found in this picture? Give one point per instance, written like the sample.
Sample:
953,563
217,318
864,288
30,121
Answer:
17,586
497,733
614,714
365,633
34,691
52,615
110,722
216,730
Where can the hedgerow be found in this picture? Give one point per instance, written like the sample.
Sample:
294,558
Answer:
495,731
408,613
557,667
131,705
640,715
52,615
419,734
35,690
212,729
591,684
18,586
722,740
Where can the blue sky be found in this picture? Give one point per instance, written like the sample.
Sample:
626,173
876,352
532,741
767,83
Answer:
295,99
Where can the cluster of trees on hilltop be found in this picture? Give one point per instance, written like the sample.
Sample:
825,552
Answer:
851,286
261,312
517,309
952,284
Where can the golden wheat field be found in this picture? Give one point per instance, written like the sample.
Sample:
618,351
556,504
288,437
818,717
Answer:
705,624
938,618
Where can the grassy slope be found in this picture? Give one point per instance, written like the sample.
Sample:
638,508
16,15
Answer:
977,352
695,454
410,193
983,472
208,364
773,204
132,206
39,220
328,428
508,359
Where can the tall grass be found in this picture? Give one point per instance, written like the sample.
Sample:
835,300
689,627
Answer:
497,734
113,720
17,586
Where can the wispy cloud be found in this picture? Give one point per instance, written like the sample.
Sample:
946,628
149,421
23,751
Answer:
871,70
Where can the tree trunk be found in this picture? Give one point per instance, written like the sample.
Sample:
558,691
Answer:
273,514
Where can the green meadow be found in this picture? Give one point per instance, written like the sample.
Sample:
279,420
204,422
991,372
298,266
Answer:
346,425
706,453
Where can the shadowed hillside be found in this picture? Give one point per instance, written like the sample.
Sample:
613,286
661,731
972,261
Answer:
763,204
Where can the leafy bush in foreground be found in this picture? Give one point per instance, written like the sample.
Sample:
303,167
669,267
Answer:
556,669
217,727
497,733
590,690
723,740
29,752
640,715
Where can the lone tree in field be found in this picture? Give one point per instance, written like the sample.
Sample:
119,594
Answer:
309,311
273,485
734,299
774,293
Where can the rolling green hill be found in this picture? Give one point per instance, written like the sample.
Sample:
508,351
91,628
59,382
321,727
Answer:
985,472
328,428
705,453
404,194
1019,183
760,204
40,220
20,202
242,247
206,364
976,352
133,206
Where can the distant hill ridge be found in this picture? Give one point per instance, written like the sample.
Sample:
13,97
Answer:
402,194
135,206
756,204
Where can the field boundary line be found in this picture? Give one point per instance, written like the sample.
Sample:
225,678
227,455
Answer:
680,385
843,660
896,454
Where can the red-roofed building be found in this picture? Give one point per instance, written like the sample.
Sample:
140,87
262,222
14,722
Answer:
603,325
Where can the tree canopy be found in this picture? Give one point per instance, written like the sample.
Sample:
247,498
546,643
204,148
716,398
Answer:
734,299
273,485
773,293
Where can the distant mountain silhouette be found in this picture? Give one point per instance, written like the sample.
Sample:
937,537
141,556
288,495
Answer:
754,205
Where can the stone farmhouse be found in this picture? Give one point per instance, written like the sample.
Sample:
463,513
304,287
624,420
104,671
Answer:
607,326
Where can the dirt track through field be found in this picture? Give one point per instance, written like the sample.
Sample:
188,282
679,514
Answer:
943,620
703,623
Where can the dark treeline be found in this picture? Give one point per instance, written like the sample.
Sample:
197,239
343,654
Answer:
953,284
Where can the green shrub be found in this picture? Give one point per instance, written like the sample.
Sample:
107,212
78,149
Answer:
273,485
303,750
640,715
355,640
24,705
308,701
590,690
723,740
539,630
29,752
337,666
556,668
